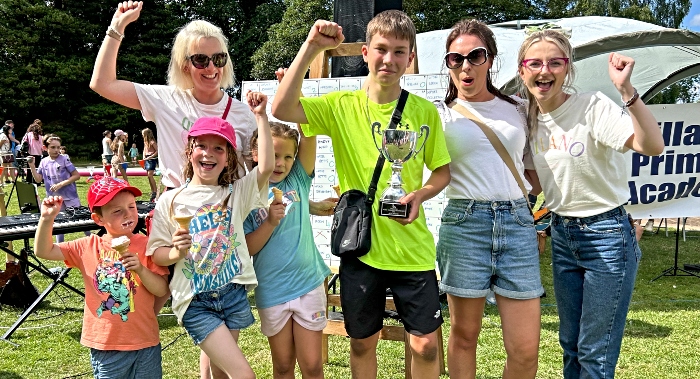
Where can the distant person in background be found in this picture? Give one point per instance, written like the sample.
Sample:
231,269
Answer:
150,157
58,174
107,147
34,137
63,150
8,159
118,157
134,154
11,135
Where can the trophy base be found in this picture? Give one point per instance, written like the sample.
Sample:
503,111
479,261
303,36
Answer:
393,209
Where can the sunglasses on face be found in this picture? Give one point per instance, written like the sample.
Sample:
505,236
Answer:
476,57
201,61
555,65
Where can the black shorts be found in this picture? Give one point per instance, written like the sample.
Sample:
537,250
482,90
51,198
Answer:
363,298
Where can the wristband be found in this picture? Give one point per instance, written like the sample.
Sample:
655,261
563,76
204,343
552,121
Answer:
628,103
114,33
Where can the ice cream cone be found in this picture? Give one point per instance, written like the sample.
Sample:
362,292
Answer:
183,217
121,244
277,193
336,188
183,221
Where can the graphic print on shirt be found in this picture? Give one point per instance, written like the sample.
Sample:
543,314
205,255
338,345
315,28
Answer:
213,259
288,199
116,282
562,143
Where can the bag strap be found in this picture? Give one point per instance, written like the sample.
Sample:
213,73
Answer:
495,141
228,107
395,120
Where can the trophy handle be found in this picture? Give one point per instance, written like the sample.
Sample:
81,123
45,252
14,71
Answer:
424,129
376,126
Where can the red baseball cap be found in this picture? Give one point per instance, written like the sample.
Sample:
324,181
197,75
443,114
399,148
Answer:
216,126
102,191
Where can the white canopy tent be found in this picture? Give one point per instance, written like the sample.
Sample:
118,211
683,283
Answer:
663,56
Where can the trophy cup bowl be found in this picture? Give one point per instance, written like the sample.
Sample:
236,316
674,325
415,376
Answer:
398,146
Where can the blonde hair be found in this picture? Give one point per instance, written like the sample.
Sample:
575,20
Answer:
562,42
392,23
148,137
185,39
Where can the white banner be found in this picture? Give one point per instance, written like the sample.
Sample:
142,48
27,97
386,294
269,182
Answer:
663,186
668,185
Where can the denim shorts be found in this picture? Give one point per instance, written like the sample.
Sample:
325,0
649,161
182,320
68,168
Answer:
150,164
489,245
134,364
207,311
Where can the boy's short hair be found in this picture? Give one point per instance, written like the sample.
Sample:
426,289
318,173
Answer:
392,23
102,191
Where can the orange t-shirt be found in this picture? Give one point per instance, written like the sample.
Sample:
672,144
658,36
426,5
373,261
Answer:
118,313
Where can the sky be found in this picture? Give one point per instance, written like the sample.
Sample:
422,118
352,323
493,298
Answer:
692,20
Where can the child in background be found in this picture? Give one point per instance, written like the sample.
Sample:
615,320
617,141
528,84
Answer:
119,325
213,270
150,157
118,163
290,296
59,175
62,150
134,153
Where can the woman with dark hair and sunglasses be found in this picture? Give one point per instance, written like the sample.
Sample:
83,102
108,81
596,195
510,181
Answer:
200,68
578,141
487,237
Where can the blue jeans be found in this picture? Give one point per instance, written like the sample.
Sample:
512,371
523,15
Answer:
595,261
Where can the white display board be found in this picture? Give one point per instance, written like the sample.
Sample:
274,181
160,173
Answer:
431,87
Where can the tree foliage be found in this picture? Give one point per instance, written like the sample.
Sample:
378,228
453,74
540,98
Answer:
286,37
48,48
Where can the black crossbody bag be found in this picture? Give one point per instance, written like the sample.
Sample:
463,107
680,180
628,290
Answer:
351,234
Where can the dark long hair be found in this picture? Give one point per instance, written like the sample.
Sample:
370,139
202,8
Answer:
479,29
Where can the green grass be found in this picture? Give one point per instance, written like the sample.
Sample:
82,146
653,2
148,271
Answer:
661,340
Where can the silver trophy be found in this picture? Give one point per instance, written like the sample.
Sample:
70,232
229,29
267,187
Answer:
398,146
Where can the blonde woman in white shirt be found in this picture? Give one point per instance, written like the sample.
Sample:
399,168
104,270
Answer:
578,141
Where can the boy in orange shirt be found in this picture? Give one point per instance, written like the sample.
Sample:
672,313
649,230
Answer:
121,282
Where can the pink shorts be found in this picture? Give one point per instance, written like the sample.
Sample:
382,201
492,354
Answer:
309,311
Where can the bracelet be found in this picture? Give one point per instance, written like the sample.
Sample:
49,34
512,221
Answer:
628,103
114,33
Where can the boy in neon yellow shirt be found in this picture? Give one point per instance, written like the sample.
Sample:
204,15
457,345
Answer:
402,256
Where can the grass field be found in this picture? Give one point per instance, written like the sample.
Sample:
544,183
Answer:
662,339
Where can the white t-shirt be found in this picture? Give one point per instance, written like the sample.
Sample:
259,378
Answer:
478,172
219,253
174,111
578,156
106,148
5,144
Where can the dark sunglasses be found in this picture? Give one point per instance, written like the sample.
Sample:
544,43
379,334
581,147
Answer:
476,57
201,61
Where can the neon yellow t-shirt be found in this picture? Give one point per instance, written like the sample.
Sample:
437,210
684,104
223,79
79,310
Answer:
345,117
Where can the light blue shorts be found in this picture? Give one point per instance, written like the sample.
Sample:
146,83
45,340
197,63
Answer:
227,305
489,245
116,364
